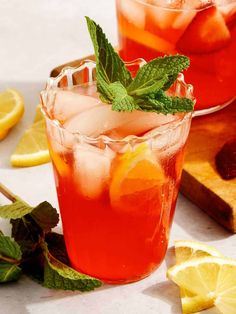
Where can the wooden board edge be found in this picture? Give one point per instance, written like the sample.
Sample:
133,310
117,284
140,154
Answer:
208,201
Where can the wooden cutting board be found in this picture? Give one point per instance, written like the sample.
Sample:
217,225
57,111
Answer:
200,180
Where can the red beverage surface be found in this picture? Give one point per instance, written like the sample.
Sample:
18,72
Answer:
207,36
123,239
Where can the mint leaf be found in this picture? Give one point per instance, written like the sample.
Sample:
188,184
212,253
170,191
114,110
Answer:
33,266
26,233
56,246
116,86
150,86
9,272
158,68
60,276
40,254
165,104
9,248
171,80
110,68
10,256
122,101
45,216
15,210
28,230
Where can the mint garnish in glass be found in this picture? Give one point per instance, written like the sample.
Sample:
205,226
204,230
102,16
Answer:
147,90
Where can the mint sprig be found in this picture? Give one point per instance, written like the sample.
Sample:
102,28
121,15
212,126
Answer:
10,256
146,91
35,250
110,68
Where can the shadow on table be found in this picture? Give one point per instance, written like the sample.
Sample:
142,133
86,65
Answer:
25,295
197,223
167,292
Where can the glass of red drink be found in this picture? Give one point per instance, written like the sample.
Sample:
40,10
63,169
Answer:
204,30
117,175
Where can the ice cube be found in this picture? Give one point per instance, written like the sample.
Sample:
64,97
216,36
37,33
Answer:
68,103
134,12
161,16
92,169
183,20
170,22
144,122
99,120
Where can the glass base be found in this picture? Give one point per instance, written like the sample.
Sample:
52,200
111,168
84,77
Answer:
203,112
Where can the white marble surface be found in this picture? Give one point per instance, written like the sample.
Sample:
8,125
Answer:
36,36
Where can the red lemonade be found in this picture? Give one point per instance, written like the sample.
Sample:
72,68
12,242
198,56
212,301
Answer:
203,31
117,176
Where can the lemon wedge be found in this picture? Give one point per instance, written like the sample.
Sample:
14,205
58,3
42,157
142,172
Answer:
137,179
210,277
11,110
184,251
32,148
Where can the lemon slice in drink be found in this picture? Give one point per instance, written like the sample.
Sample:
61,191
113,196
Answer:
184,251
137,179
210,277
11,110
32,148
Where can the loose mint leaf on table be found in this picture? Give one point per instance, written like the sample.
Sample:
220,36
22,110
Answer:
45,216
10,256
9,272
33,266
60,276
36,251
9,248
28,230
56,246
15,210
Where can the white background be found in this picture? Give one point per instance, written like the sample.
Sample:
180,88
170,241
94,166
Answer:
36,36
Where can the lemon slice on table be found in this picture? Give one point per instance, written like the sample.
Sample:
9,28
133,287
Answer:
32,148
3,134
11,110
184,251
210,277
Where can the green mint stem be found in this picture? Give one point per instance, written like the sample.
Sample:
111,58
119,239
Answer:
7,193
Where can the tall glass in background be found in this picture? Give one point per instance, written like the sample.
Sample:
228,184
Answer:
117,176
204,30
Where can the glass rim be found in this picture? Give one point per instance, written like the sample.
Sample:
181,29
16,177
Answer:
205,4
52,84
